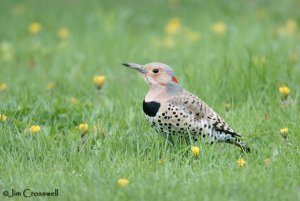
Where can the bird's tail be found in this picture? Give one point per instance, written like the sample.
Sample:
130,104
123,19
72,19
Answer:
233,138
242,145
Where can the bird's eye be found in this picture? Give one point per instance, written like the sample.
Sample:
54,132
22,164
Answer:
155,70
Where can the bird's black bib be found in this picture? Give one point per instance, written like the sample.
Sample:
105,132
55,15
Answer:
151,108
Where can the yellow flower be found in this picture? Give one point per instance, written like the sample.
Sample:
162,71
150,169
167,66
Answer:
84,128
161,161
50,85
172,26
293,57
3,118
192,35
3,87
35,129
174,2
227,107
291,26
63,33
259,60
74,100
261,13
168,42
241,163
19,9
99,81
195,150
284,91
267,162
219,27
7,51
34,28
122,182
284,132
95,128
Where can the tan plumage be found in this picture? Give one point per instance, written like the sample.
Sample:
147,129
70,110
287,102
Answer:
201,111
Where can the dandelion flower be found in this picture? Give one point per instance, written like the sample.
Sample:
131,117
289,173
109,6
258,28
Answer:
168,42
227,107
3,87
284,91
261,13
267,162
161,161
34,27
19,9
293,57
3,118
95,128
219,27
35,129
50,86
172,26
192,35
284,132
241,163
5,46
83,128
63,33
7,51
259,60
73,100
291,26
174,2
99,81
122,182
195,150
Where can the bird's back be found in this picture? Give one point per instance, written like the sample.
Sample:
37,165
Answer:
188,116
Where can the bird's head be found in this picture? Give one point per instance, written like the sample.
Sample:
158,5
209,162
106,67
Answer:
155,73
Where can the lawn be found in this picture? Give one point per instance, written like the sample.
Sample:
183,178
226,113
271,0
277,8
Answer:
234,55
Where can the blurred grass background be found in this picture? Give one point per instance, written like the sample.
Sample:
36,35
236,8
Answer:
227,52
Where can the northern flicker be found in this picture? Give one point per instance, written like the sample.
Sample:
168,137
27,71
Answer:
173,111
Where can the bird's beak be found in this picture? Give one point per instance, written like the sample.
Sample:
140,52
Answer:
137,67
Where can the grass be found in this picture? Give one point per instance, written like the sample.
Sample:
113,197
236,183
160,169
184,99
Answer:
243,67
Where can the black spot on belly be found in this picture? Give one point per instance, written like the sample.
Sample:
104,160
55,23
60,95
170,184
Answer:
151,108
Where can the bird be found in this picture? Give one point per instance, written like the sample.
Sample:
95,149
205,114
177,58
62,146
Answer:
175,112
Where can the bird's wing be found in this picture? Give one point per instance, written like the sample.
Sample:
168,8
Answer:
193,105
